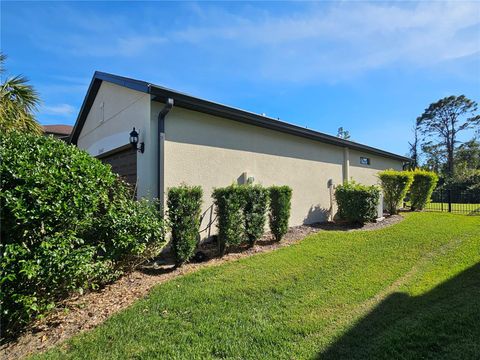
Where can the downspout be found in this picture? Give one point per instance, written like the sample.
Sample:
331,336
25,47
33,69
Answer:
161,151
346,164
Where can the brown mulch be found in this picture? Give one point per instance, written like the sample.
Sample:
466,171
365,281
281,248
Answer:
83,312
339,226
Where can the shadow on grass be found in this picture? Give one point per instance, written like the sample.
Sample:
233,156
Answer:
444,323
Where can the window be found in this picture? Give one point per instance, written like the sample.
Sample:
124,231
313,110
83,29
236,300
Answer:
364,160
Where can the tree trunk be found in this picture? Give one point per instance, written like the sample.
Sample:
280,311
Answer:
450,161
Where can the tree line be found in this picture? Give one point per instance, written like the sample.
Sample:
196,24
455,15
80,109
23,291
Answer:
437,142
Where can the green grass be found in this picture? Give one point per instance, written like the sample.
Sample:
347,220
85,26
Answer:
409,291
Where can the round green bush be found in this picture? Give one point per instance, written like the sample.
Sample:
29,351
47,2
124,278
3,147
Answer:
357,203
421,190
67,224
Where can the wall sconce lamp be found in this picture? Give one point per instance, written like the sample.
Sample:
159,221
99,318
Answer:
134,141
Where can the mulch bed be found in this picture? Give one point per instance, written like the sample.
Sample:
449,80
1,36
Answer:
83,312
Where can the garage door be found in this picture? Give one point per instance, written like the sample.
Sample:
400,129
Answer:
123,162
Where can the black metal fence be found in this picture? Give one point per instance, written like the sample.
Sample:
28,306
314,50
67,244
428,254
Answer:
455,201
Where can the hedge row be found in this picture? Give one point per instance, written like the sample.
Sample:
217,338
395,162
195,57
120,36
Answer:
68,224
358,203
396,185
241,212
241,215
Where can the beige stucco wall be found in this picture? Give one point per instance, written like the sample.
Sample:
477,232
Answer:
367,174
213,152
115,111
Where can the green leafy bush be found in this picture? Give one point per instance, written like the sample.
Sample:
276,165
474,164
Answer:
280,204
395,185
424,183
184,210
256,203
67,224
357,203
229,204
130,232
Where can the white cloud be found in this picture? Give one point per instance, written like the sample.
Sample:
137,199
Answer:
348,38
330,41
60,109
88,34
128,46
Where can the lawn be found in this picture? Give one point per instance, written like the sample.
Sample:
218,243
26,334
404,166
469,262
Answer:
409,291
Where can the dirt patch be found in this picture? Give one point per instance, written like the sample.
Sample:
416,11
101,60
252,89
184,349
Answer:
84,312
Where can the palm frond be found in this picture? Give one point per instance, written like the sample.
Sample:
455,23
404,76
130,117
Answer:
18,103
17,90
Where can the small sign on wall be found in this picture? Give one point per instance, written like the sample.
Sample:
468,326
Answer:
364,160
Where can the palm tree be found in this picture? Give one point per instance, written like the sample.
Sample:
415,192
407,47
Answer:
18,103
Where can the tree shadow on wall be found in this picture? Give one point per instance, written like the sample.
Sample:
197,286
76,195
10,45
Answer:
441,324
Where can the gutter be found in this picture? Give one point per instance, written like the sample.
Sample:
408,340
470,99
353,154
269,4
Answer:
161,151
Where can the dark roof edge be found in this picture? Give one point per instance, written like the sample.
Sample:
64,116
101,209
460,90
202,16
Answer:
213,108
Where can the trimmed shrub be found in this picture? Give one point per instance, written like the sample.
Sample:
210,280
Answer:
357,203
184,210
229,204
256,203
395,185
421,190
67,224
280,204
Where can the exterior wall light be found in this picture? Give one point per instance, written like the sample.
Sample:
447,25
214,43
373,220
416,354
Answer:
134,141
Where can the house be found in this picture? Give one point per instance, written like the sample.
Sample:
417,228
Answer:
184,139
61,132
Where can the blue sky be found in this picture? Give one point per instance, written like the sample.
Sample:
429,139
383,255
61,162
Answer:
371,67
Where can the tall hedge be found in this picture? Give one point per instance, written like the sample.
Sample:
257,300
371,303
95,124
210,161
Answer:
280,204
229,203
395,185
422,187
255,209
357,203
184,210
67,224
